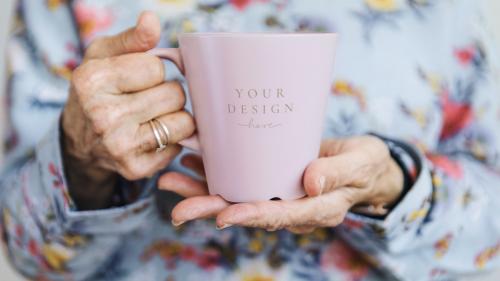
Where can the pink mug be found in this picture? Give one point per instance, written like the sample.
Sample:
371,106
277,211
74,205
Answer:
258,102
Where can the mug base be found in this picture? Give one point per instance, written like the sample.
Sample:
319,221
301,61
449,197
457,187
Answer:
240,198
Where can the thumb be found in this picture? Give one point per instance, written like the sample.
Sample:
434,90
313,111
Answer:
329,173
140,38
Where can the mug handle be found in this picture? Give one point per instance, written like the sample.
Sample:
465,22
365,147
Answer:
174,55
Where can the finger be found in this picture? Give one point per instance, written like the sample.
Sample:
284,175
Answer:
117,75
301,229
197,208
135,167
193,162
325,210
330,147
165,98
182,184
180,125
326,174
140,38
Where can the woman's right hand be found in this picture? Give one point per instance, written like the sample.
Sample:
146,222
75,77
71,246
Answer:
117,89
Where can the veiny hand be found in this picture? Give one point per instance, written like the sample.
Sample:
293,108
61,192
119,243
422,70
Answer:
117,89
349,172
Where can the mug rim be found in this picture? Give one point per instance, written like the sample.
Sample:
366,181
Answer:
256,34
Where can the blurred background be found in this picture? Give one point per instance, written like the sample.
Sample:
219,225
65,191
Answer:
491,20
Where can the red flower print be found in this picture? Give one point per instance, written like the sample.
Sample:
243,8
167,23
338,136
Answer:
456,116
58,181
71,64
209,259
52,169
240,4
465,55
188,253
442,245
171,252
19,230
33,248
341,257
452,168
243,4
92,19
352,224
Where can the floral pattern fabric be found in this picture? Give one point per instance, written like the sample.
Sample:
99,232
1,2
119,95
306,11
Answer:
413,70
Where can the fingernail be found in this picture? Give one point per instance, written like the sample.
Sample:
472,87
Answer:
322,181
177,223
223,226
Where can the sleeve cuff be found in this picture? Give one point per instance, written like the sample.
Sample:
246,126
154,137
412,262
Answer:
405,217
112,220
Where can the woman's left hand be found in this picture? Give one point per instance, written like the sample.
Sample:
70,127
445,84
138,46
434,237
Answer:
356,172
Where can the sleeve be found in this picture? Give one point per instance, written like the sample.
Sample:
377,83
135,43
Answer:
448,223
45,235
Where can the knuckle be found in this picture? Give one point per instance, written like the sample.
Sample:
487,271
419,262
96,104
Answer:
336,219
128,172
188,120
104,115
282,218
182,125
79,79
147,144
157,68
113,62
118,148
317,219
88,77
99,126
177,86
128,175
133,171
115,112
98,119
326,217
179,91
361,182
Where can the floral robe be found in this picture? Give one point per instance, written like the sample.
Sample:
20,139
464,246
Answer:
414,70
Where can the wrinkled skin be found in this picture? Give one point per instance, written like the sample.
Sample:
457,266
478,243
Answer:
119,87
116,90
349,172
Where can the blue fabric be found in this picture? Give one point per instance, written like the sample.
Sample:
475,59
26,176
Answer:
417,71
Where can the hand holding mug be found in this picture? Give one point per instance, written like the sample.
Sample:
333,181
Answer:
348,172
259,101
115,93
